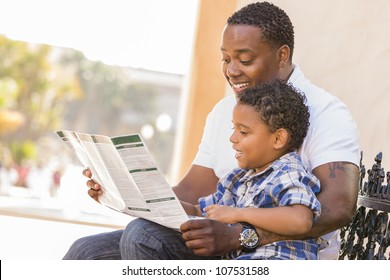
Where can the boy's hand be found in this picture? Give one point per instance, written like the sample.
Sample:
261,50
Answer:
222,213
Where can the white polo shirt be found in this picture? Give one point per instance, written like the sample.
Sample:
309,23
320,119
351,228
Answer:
332,136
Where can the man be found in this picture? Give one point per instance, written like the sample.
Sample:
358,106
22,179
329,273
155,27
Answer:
257,46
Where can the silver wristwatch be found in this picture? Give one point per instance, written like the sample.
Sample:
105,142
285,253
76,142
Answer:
249,239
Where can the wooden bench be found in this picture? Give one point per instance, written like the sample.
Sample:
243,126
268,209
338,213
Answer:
367,237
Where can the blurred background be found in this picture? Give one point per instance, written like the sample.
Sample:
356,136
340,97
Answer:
103,67
117,67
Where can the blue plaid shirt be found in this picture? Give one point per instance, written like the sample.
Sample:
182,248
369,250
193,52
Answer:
284,182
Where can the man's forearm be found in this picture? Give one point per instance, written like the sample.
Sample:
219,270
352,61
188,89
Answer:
190,209
270,237
267,237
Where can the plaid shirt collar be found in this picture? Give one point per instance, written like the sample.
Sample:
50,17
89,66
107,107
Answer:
251,173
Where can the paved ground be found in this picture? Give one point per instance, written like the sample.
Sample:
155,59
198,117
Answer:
32,231
34,239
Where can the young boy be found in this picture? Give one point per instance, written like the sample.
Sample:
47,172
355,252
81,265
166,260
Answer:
271,189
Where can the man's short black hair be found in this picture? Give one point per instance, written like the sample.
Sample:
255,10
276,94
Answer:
273,22
280,105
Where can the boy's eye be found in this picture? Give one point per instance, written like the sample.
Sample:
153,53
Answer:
243,132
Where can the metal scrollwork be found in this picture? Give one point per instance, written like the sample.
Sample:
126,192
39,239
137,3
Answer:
368,235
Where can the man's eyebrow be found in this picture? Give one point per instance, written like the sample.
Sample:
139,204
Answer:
246,50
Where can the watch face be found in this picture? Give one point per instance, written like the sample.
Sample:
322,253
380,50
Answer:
249,238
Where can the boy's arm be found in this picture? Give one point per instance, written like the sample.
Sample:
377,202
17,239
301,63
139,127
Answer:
286,220
339,188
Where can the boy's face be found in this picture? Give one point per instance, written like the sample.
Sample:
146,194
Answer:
252,139
246,59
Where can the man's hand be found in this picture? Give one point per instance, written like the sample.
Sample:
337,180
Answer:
94,189
209,237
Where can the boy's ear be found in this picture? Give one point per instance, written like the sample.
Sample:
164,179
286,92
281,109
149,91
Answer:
281,138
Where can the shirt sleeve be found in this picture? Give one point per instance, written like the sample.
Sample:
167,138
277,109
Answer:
297,188
204,155
206,201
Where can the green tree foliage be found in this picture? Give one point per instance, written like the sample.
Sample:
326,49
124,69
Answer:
112,102
57,88
31,85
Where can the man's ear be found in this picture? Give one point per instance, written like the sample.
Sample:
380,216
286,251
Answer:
284,53
281,138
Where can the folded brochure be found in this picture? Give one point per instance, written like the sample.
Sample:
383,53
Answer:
130,180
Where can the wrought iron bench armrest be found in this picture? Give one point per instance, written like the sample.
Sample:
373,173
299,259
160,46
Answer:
367,237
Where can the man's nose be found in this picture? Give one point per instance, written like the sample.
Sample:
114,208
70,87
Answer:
233,70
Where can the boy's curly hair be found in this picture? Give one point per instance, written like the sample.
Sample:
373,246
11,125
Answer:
280,105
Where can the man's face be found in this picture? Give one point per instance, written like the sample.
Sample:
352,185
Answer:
247,60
